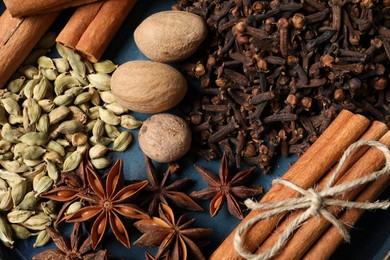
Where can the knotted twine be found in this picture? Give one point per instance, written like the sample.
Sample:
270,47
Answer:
315,203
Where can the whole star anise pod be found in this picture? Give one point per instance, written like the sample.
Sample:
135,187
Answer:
109,203
161,191
74,249
70,185
175,238
225,188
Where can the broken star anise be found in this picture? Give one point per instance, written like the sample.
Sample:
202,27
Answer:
66,190
174,238
109,203
74,249
225,188
161,191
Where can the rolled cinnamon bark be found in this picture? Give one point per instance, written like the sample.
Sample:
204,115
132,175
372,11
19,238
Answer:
18,36
21,8
307,171
93,27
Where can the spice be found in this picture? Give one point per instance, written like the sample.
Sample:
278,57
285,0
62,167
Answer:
178,239
227,188
268,67
75,248
108,203
161,191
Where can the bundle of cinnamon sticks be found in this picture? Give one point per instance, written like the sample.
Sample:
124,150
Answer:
90,29
317,238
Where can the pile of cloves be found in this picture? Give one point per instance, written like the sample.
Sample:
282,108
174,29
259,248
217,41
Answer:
274,74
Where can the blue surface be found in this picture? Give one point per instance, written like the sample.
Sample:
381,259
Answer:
370,238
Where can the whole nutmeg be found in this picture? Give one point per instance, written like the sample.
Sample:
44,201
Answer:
164,138
147,86
170,36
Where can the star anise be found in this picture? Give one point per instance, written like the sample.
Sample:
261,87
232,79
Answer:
174,238
70,185
162,191
109,203
225,188
74,249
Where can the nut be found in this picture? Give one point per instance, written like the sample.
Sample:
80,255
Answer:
175,39
148,87
164,138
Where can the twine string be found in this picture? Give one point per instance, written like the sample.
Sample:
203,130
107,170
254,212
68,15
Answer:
315,203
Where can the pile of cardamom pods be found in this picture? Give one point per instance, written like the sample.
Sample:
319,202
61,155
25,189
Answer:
51,112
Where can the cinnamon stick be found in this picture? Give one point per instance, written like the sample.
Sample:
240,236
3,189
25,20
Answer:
317,160
313,228
18,36
92,27
328,243
21,8
374,132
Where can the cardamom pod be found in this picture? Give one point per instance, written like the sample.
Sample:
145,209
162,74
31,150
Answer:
6,233
53,156
42,239
74,91
43,123
79,139
37,178
75,206
48,207
93,113
56,147
98,151
50,74
5,146
6,201
100,81
82,98
109,117
63,142
41,89
76,63
32,152
111,131
89,67
58,114
13,135
100,163
61,64
67,127
95,97
14,166
104,66
52,171
103,140
116,108
19,190
11,106
45,63
18,149
3,185
20,232
83,148
63,100
47,105
32,163
6,156
33,110
26,122
19,216
29,201
44,184
130,122
28,89
98,129
63,82
30,175
62,50
82,80
89,126
78,114
14,120
29,72
35,138
72,161
37,222
16,85
10,176
122,141
107,97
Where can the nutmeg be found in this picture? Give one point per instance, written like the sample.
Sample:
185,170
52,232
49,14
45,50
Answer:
170,36
147,86
164,138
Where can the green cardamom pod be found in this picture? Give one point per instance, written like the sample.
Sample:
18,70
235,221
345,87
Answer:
56,147
75,206
116,108
13,135
72,161
122,141
33,110
32,163
62,50
100,81
28,89
6,233
63,100
105,66
43,123
109,117
74,91
10,176
58,114
89,126
100,163
82,80
103,140
20,232
89,67
49,207
63,82
98,129
63,142
130,122
52,171
79,139
19,190
45,63
61,64
95,97
14,166
3,185
6,201
111,131
19,216
82,98
37,178
83,148
5,146
41,89
16,85
35,138
29,201
107,97
37,222
29,72
14,120
67,127
42,239
32,152
47,105
78,114
53,156
76,63
44,184
50,74
98,151
93,113
11,106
